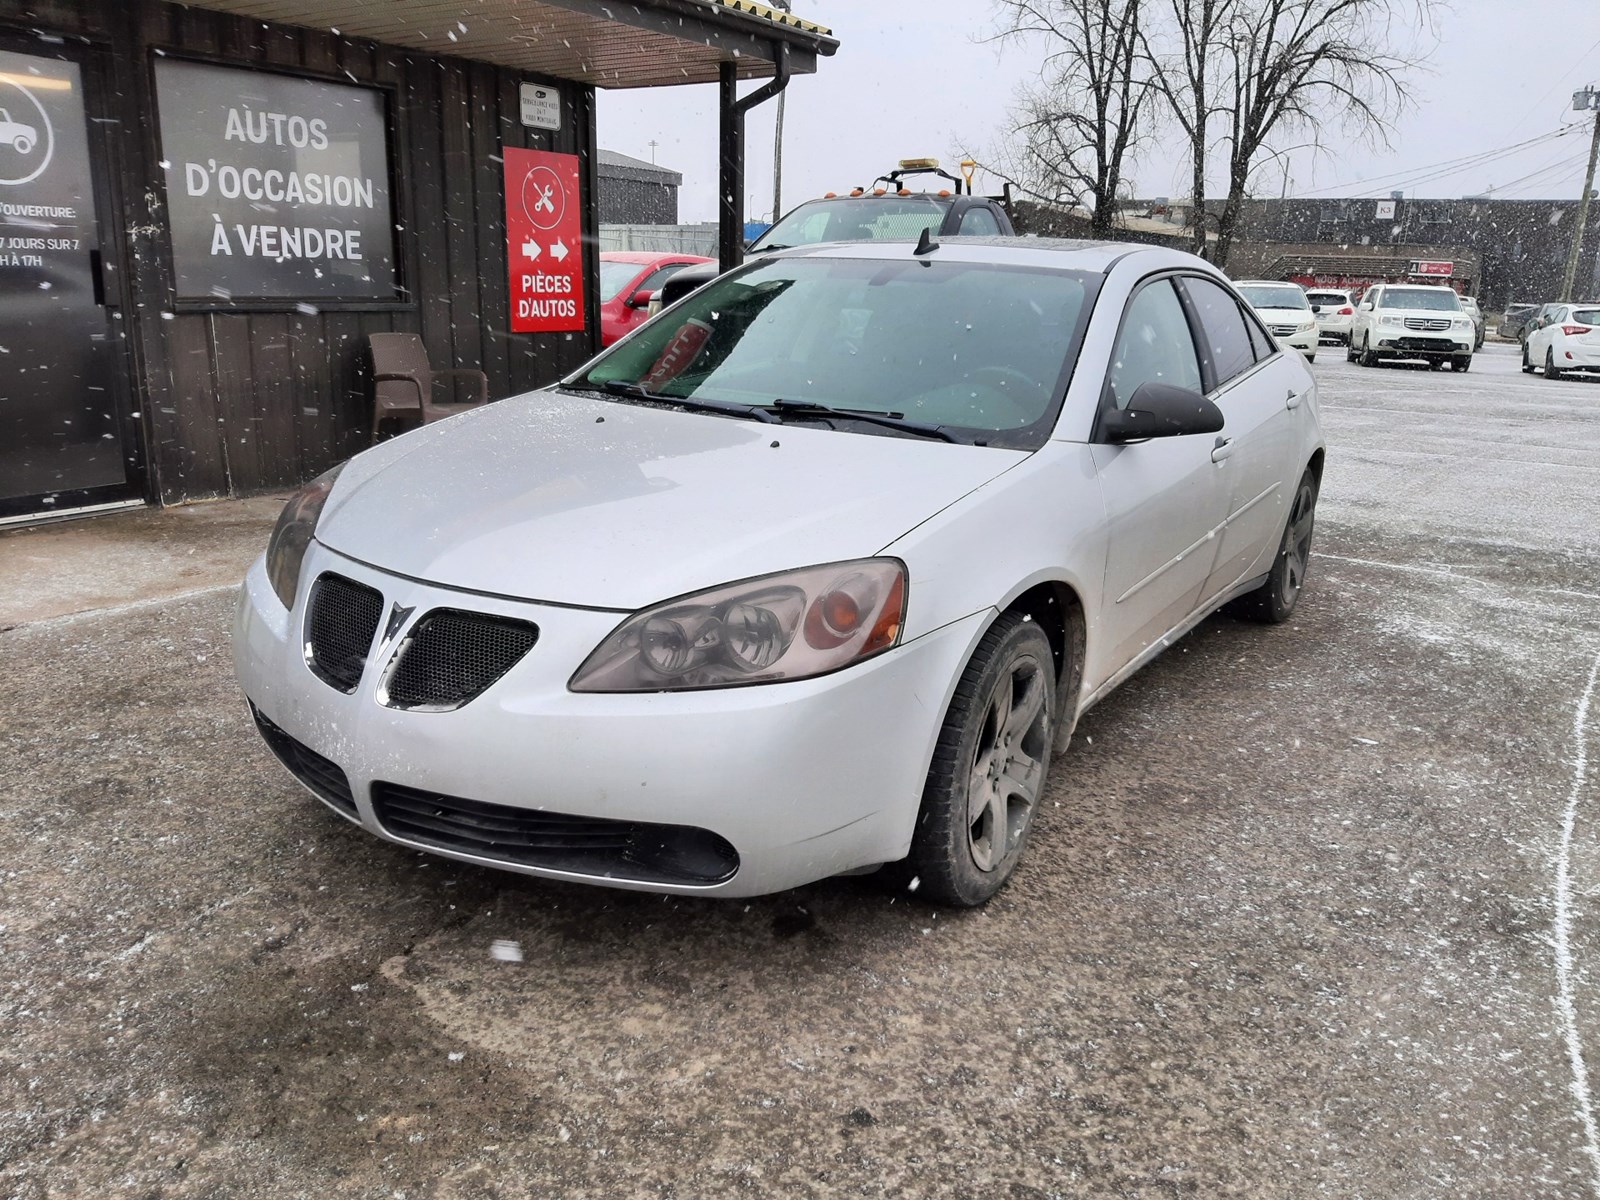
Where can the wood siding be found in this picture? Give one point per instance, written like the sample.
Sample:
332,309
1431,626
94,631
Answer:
255,398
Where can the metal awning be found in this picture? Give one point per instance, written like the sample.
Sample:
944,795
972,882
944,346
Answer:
606,43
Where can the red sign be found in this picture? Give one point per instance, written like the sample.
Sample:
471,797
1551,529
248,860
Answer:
544,241
1446,269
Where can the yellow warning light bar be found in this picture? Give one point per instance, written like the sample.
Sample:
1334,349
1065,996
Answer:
919,164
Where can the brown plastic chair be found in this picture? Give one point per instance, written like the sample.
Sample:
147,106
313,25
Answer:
402,381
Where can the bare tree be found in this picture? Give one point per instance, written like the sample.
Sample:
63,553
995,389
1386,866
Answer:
1297,64
1182,50
1075,130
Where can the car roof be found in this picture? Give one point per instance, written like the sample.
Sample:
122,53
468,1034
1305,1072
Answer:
1063,253
645,257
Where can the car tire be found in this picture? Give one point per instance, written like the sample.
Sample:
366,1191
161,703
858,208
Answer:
22,143
1350,349
1551,371
1527,366
1311,358
988,771
1274,601
1461,363
1369,356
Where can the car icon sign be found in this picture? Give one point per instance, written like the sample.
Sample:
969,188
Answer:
15,134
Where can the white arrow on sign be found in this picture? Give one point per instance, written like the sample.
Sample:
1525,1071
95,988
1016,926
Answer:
559,251
532,248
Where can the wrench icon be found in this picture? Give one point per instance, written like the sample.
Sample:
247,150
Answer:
544,202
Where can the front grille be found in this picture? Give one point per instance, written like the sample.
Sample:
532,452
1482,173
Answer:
341,621
319,774
595,846
1282,330
450,656
1428,324
1435,345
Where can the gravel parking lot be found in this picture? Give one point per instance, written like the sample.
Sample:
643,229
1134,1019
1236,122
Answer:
1311,912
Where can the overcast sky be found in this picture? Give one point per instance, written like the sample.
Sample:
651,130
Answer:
916,77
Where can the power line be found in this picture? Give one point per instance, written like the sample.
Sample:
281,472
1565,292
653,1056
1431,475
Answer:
1414,176
1582,58
1556,170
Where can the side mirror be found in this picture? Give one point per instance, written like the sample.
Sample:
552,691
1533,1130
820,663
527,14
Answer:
1316,308
1160,410
640,299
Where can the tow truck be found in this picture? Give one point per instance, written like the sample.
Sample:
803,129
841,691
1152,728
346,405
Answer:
884,210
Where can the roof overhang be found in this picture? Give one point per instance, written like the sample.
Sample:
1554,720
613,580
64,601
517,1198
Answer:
607,43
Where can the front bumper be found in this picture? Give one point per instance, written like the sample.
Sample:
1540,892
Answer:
1304,340
804,780
1409,344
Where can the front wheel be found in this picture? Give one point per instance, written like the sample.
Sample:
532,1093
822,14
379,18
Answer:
988,768
1273,602
1369,357
22,143
1461,363
1527,365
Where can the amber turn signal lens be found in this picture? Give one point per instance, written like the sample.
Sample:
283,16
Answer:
887,627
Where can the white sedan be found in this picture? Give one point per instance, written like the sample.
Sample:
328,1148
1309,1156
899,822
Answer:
809,574
1286,311
1568,341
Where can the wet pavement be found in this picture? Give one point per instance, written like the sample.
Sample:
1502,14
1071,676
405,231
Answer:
1293,922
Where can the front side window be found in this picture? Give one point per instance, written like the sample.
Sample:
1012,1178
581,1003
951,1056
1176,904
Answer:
1153,346
979,349
614,277
1223,327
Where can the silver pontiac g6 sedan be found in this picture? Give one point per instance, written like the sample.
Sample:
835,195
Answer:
811,573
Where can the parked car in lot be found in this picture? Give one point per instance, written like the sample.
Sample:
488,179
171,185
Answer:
1334,312
1516,319
1412,321
1569,341
891,212
1470,305
1286,311
628,280
763,593
1540,318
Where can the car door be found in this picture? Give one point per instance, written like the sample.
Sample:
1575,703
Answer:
1260,391
1163,497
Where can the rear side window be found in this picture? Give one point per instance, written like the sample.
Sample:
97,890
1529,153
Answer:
980,222
1586,316
1154,345
1227,338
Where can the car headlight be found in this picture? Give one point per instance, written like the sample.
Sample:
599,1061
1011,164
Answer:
292,534
1305,325
792,625
1395,321
1463,322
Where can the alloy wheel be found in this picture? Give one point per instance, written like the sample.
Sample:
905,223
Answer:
1008,768
1297,543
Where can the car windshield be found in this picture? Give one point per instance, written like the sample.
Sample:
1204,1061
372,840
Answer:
614,276
1274,296
862,219
980,350
1424,298
1586,316
1327,298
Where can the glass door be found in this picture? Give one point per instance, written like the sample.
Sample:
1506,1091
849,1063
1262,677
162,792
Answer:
65,437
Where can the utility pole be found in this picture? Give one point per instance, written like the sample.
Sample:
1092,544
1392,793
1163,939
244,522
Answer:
1587,100
777,144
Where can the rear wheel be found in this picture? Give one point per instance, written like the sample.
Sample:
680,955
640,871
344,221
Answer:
988,768
1274,600
1551,371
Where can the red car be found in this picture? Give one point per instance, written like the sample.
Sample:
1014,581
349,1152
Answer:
627,277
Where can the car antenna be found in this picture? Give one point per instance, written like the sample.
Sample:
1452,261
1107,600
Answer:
925,244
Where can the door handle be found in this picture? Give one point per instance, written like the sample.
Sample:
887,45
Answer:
1221,450
1293,401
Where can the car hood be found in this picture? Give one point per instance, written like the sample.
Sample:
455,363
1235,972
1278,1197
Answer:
576,500
1284,316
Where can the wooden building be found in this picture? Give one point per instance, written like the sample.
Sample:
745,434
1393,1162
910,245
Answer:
206,209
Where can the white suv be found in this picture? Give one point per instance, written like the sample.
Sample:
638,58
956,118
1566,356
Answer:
1402,320
1284,309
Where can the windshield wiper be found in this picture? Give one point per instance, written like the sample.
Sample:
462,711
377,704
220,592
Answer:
632,391
889,420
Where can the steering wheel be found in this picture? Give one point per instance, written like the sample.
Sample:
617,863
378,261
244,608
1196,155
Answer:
1010,384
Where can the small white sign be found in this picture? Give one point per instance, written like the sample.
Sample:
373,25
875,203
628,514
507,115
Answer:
541,106
1385,210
